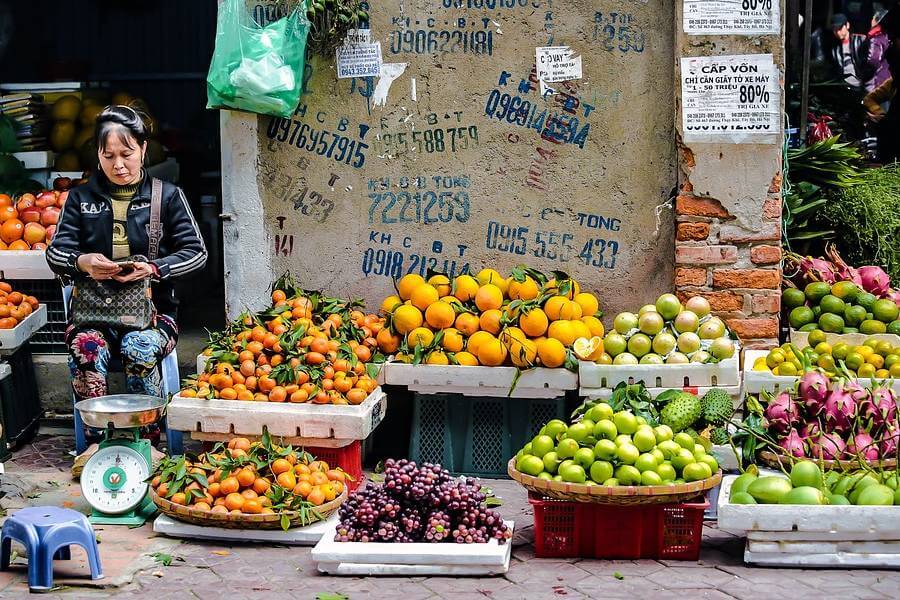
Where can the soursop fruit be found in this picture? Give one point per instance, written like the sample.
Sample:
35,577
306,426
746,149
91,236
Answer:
716,406
681,412
719,436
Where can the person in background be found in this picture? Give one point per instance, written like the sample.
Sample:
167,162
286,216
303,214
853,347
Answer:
878,45
842,55
887,121
107,220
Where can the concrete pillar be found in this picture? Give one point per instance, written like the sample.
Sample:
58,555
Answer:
728,209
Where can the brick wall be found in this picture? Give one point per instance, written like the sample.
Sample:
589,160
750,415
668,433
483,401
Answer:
737,270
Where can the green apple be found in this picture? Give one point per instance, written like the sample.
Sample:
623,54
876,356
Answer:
645,462
605,429
669,448
683,459
685,440
663,433
542,444
625,422
644,439
628,475
572,473
584,457
600,412
577,432
627,454
666,471
566,448
551,462
601,470
605,450
530,465
554,428
650,478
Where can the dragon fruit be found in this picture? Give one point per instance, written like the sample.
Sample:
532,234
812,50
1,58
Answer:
844,271
894,295
856,390
862,446
890,441
782,413
816,269
811,429
813,390
874,280
793,444
828,446
880,406
840,410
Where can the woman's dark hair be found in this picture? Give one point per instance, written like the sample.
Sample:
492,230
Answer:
124,121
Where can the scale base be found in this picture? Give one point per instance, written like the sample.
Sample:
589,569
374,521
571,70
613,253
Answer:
134,518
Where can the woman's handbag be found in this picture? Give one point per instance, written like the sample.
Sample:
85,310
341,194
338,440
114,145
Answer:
114,305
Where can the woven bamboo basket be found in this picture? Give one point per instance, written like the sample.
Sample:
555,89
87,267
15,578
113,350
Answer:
776,461
230,521
623,495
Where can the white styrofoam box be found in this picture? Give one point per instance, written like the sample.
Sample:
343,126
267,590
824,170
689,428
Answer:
801,338
828,559
722,374
606,393
724,455
24,264
357,558
757,381
861,520
480,381
283,419
11,339
829,537
43,86
36,159
202,359
296,536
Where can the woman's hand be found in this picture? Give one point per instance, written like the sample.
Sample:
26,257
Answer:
141,271
98,266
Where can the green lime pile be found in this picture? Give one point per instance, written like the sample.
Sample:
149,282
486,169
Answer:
873,358
840,308
807,485
615,448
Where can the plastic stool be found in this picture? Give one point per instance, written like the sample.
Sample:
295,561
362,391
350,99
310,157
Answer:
170,385
47,532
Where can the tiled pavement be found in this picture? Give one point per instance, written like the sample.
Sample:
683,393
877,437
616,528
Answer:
203,570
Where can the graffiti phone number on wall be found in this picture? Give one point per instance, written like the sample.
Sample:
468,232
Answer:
396,264
419,207
551,245
441,41
430,141
515,110
339,148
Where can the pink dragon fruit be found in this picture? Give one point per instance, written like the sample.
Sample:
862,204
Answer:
880,406
856,390
862,446
793,444
844,271
894,295
828,446
782,413
813,390
874,280
817,269
811,429
890,440
840,410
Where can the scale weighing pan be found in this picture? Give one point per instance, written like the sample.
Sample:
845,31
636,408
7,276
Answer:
121,411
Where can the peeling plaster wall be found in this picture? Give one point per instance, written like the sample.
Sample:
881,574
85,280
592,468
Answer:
464,164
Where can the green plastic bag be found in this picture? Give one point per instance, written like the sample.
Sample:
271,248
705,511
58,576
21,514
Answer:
254,68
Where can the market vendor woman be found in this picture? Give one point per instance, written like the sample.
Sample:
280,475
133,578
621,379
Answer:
106,221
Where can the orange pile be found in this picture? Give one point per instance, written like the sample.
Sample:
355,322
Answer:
14,306
229,480
293,353
29,221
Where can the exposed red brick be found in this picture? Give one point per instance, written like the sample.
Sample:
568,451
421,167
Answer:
766,303
687,187
685,276
765,255
692,231
772,208
754,328
739,235
705,255
687,157
718,301
761,344
701,207
775,185
757,279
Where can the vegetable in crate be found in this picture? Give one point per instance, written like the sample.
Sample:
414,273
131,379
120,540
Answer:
420,504
668,332
525,320
615,448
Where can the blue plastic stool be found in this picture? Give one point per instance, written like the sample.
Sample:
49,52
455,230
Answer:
170,385
47,532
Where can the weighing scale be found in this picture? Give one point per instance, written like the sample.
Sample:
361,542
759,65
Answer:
114,479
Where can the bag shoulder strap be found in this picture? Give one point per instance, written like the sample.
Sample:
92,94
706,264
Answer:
155,233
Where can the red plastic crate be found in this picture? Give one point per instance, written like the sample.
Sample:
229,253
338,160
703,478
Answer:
583,530
349,458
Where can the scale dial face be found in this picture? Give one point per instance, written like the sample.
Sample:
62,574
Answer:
114,479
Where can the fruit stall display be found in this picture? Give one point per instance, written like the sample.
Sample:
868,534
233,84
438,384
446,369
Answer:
838,421
666,345
28,221
20,316
249,485
420,520
807,517
829,295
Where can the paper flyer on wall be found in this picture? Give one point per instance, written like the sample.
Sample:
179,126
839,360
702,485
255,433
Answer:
359,56
731,99
732,17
